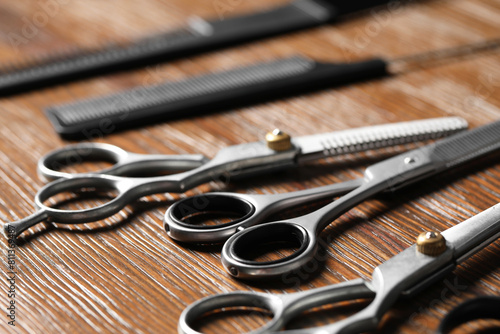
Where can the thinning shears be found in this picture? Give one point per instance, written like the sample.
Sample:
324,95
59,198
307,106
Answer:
238,160
407,273
302,233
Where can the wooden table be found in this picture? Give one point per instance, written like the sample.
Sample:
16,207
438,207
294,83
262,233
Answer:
124,274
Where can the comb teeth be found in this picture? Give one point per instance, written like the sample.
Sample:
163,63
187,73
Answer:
53,66
142,98
468,145
369,139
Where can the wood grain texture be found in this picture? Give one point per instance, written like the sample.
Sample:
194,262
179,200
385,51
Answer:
124,274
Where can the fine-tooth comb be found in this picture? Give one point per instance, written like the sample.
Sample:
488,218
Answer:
147,99
198,36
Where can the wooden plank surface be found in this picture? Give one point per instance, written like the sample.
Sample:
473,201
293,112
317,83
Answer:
124,274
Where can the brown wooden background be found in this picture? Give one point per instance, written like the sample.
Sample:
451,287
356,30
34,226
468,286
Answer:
124,274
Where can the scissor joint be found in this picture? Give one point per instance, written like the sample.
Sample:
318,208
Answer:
431,278
253,158
410,270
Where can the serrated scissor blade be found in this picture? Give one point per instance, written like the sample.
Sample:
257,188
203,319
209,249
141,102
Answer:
374,137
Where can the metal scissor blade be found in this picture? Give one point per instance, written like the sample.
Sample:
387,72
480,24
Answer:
417,164
463,240
373,137
474,234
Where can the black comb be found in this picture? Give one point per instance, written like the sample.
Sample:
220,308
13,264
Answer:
199,36
206,93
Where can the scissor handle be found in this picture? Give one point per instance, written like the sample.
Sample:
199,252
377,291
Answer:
483,307
127,189
178,220
301,233
237,253
249,210
124,163
256,300
283,307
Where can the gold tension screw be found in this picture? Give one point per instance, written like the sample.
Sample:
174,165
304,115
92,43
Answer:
431,243
278,140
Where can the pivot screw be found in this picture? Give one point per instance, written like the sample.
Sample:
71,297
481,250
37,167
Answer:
431,243
278,140
410,160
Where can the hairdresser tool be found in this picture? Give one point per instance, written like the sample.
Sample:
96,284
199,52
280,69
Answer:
303,232
238,160
407,273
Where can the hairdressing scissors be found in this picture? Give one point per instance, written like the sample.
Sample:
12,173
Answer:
302,232
434,255
277,152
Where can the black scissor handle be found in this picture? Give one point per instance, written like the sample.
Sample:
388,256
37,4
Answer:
207,204
484,307
238,253
179,221
124,163
260,302
284,307
299,232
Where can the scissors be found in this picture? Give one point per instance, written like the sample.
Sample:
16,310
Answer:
279,151
407,273
302,232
